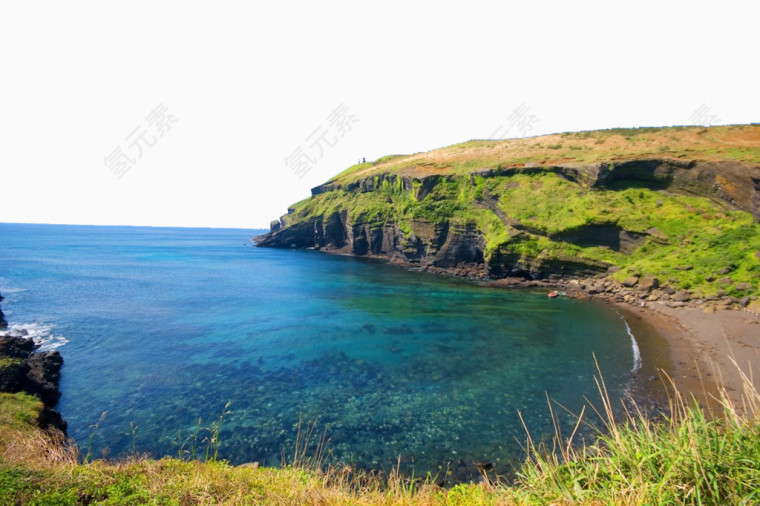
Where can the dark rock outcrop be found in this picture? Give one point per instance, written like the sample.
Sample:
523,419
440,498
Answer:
3,321
428,246
732,183
24,369
508,264
610,236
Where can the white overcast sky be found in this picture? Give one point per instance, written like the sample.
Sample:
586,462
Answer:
247,83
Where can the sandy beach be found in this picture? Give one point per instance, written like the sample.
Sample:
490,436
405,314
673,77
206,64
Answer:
696,348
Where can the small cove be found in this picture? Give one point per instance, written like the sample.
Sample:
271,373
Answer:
164,326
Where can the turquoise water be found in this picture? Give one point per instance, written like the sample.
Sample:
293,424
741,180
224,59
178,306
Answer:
160,327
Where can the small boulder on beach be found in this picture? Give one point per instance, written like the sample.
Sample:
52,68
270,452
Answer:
631,281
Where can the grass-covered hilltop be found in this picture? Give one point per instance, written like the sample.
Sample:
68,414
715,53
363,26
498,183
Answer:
679,205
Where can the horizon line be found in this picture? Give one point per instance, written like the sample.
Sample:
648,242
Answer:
132,226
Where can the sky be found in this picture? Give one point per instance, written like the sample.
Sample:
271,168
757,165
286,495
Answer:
221,114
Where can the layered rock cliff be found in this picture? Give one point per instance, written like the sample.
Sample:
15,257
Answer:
473,216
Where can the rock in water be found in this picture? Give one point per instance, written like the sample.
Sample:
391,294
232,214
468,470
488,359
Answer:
3,321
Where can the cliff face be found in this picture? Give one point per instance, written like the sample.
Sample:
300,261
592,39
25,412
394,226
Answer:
538,221
428,245
733,183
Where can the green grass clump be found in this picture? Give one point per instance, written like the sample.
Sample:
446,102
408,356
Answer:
9,361
19,411
693,456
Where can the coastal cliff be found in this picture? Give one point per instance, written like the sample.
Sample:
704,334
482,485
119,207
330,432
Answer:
680,206
24,369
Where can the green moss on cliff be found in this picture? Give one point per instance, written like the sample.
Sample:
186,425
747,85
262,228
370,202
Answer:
19,411
9,361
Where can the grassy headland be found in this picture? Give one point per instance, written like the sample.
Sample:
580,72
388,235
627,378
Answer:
738,143
679,204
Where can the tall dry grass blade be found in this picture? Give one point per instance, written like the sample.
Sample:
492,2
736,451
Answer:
557,438
531,447
609,415
569,446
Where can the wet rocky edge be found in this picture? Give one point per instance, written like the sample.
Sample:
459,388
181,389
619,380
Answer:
25,369
639,290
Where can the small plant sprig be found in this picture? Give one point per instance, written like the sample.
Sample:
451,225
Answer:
133,432
94,428
304,437
212,440
188,446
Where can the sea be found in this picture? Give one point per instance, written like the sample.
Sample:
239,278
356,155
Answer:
194,343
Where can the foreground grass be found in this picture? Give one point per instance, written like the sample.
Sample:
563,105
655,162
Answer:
691,457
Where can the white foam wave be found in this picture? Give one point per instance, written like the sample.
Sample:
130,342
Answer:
634,346
40,333
6,287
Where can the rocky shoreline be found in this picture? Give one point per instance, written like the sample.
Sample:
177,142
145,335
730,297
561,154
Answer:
638,290
25,369
710,342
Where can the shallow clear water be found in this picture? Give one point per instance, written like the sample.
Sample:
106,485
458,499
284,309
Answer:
163,326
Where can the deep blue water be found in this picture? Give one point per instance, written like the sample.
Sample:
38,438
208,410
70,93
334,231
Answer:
162,326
